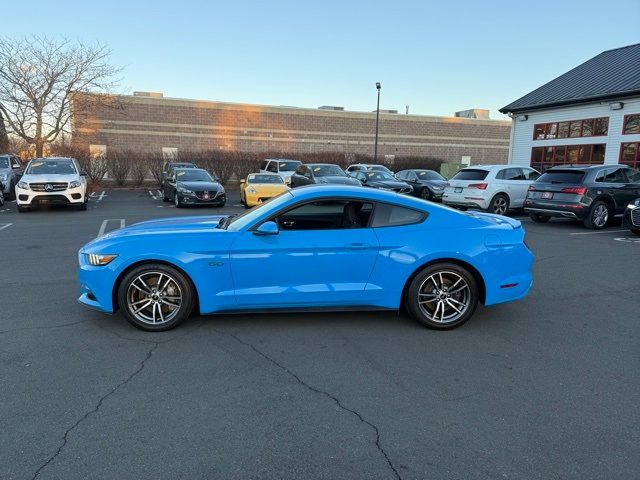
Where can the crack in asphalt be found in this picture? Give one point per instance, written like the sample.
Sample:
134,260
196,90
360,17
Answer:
95,409
43,327
335,399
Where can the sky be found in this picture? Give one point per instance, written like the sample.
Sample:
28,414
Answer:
436,57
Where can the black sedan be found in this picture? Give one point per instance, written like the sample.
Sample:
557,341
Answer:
383,181
194,186
427,184
319,174
631,218
591,193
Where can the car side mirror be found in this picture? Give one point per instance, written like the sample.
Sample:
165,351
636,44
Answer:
267,228
83,173
242,181
364,180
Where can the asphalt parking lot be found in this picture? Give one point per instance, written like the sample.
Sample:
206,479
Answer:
547,387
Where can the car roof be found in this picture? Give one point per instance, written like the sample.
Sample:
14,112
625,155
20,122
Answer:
265,173
281,160
54,159
190,168
586,167
373,194
320,164
492,167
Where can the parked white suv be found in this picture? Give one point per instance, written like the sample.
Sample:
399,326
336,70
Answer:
52,181
281,166
495,188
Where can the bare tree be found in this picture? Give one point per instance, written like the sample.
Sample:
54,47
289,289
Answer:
4,138
39,78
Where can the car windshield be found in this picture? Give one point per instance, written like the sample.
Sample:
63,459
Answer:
264,179
470,174
236,222
429,175
289,165
380,175
562,176
4,162
193,176
327,170
51,167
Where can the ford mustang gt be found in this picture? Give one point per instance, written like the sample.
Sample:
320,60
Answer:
313,248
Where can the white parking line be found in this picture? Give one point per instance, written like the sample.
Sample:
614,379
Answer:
153,195
594,233
103,227
5,225
96,197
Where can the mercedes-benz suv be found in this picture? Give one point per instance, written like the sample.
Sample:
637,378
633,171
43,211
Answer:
52,181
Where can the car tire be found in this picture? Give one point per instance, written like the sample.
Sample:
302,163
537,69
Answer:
537,218
499,204
132,294
22,209
598,216
11,195
176,200
1,198
164,196
444,290
425,194
82,206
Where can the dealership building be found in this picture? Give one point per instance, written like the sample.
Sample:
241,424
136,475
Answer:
589,115
150,122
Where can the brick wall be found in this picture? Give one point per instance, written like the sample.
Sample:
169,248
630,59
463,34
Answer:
148,124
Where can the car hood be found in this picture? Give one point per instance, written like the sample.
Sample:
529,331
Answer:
201,186
435,183
50,178
387,184
337,180
169,225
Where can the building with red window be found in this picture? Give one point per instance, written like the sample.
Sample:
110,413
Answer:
589,115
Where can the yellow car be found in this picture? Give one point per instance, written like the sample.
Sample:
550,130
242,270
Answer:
258,187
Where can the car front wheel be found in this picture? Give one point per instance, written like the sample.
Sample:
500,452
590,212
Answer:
537,218
155,297
442,296
425,194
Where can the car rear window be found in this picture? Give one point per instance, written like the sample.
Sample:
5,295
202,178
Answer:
470,174
562,176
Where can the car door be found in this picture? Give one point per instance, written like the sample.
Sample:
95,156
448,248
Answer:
297,177
632,185
170,188
614,182
514,183
315,259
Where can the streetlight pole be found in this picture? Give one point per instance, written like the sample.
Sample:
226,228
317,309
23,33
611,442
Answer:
375,148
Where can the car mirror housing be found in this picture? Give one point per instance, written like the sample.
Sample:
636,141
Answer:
267,228
242,180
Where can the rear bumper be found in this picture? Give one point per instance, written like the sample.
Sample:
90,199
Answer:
563,210
464,200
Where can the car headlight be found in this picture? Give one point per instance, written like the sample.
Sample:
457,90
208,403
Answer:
3,177
221,189
99,260
435,187
23,185
185,190
251,190
74,184
634,204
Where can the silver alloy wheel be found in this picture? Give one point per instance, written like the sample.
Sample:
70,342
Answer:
600,215
500,206
154,297
444,297
425,194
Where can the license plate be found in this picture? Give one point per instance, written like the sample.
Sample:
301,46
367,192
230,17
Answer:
546,195
458,190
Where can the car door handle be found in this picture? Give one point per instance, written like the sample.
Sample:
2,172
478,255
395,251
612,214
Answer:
357,246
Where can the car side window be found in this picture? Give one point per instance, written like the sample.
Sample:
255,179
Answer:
263,165
402,175
512,174
530,174
326,215
633,175
299,170
612,175
15,163
387,215
272,167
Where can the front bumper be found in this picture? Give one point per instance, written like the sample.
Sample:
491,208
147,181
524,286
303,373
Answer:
70,196
557,209
96,284
465,200
255,199
217,200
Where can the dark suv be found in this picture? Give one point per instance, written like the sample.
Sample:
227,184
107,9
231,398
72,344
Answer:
591,193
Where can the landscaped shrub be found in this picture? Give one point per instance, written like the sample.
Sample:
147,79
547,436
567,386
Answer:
119,165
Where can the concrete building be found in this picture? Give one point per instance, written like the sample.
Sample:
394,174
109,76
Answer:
149,122
590,114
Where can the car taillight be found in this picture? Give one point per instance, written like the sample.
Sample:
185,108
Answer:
574,190
479,186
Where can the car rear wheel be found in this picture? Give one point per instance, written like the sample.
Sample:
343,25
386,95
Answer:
155,297
537,218
598,215
442,296
499,204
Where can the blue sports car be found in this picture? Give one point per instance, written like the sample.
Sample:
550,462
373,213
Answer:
312,248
